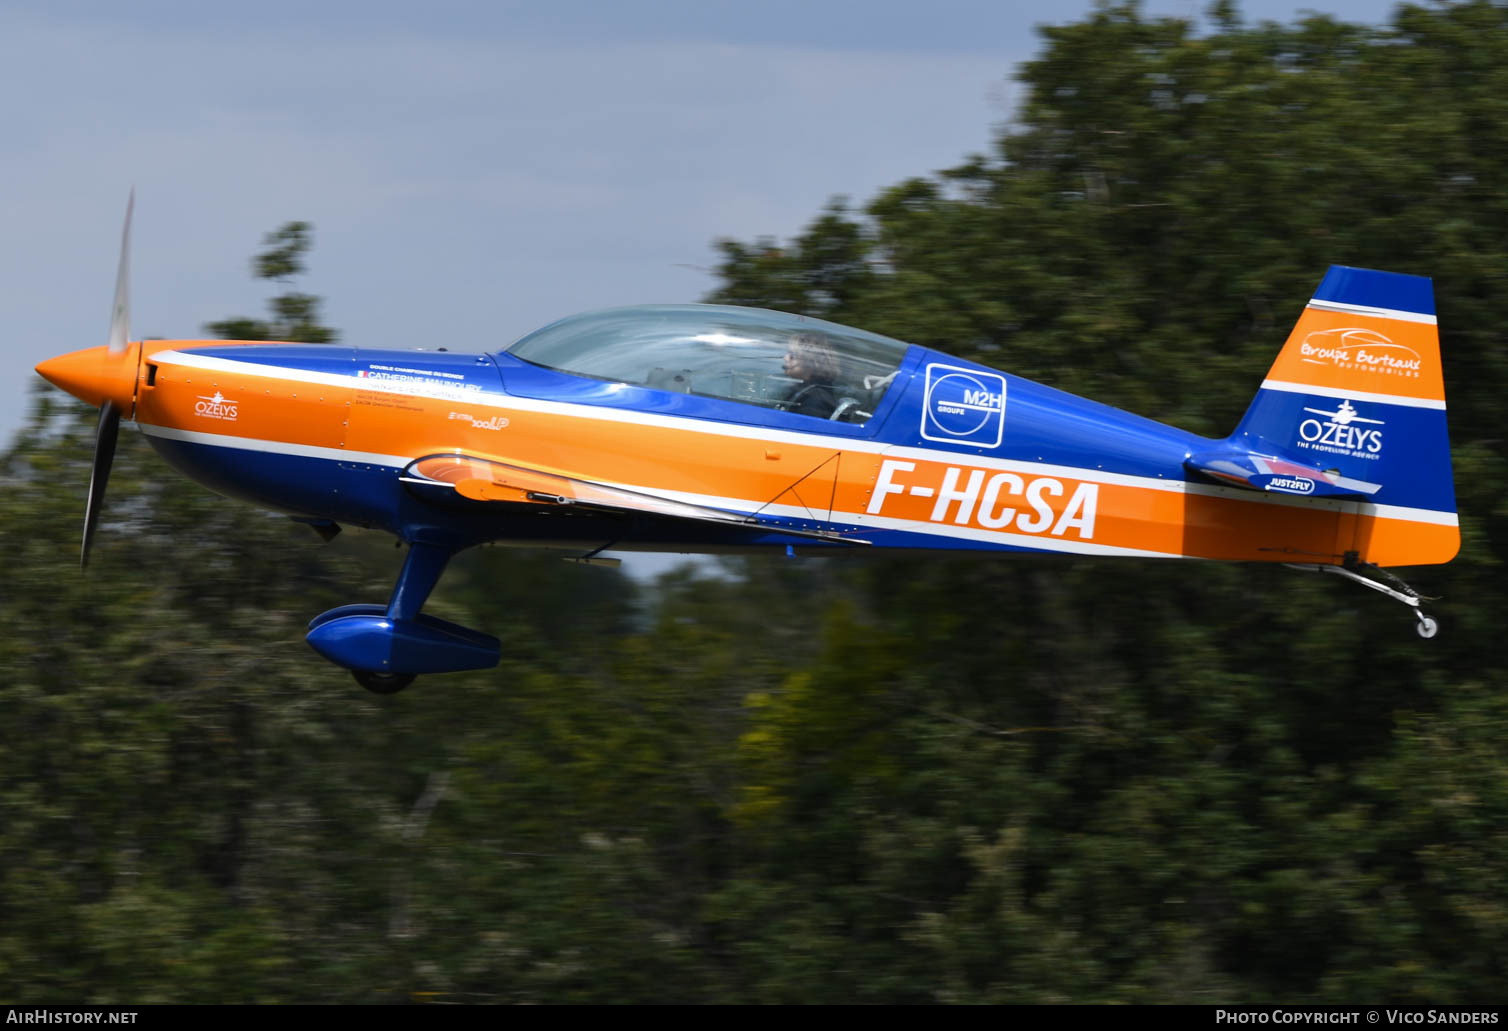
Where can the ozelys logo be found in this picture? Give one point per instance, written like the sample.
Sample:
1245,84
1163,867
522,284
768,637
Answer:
964,406
1344,432
216,407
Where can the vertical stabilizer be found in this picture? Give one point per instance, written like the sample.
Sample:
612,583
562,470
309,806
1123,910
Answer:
1358,391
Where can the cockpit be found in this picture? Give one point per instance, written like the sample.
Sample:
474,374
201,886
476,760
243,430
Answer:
766,358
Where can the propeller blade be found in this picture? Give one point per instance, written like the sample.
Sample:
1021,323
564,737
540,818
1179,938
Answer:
108,431
120,313
104,456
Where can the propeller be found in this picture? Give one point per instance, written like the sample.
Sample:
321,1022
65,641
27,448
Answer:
109,412
104,376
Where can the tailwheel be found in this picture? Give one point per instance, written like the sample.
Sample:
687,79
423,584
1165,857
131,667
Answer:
382,683
1379,579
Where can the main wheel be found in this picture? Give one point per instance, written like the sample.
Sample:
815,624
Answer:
382,683
1427,627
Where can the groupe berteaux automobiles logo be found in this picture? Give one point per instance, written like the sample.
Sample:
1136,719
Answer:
963,405
216,407
1357,348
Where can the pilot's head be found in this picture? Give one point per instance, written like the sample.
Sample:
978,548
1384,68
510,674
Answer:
810,358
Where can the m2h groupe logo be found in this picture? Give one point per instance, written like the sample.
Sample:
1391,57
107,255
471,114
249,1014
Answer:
1342,432
1363,349
217,407
964,406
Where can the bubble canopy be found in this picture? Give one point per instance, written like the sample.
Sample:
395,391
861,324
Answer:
750,355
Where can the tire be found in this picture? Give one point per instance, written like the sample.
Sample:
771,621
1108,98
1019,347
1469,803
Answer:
382,683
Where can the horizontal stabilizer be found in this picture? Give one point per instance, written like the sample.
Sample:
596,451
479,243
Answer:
1276,475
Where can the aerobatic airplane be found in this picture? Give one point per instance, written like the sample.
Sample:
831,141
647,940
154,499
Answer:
708,428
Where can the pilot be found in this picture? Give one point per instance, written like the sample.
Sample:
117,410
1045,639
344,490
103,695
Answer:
810,359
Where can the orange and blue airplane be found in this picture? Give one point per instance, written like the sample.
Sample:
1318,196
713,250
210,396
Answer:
708,428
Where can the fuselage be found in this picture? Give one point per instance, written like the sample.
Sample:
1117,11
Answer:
949,454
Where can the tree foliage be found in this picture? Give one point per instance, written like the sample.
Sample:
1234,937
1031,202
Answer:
294,316
904,780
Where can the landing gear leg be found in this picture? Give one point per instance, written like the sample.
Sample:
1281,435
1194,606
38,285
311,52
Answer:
421,571
1352,568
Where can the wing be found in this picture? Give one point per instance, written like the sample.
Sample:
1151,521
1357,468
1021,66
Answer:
479,478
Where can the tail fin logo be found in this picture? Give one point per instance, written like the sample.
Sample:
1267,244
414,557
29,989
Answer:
1338,435
1367,350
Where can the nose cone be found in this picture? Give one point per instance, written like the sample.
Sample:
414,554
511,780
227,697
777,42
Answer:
95,376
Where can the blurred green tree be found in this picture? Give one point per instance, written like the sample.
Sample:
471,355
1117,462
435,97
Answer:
294,315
